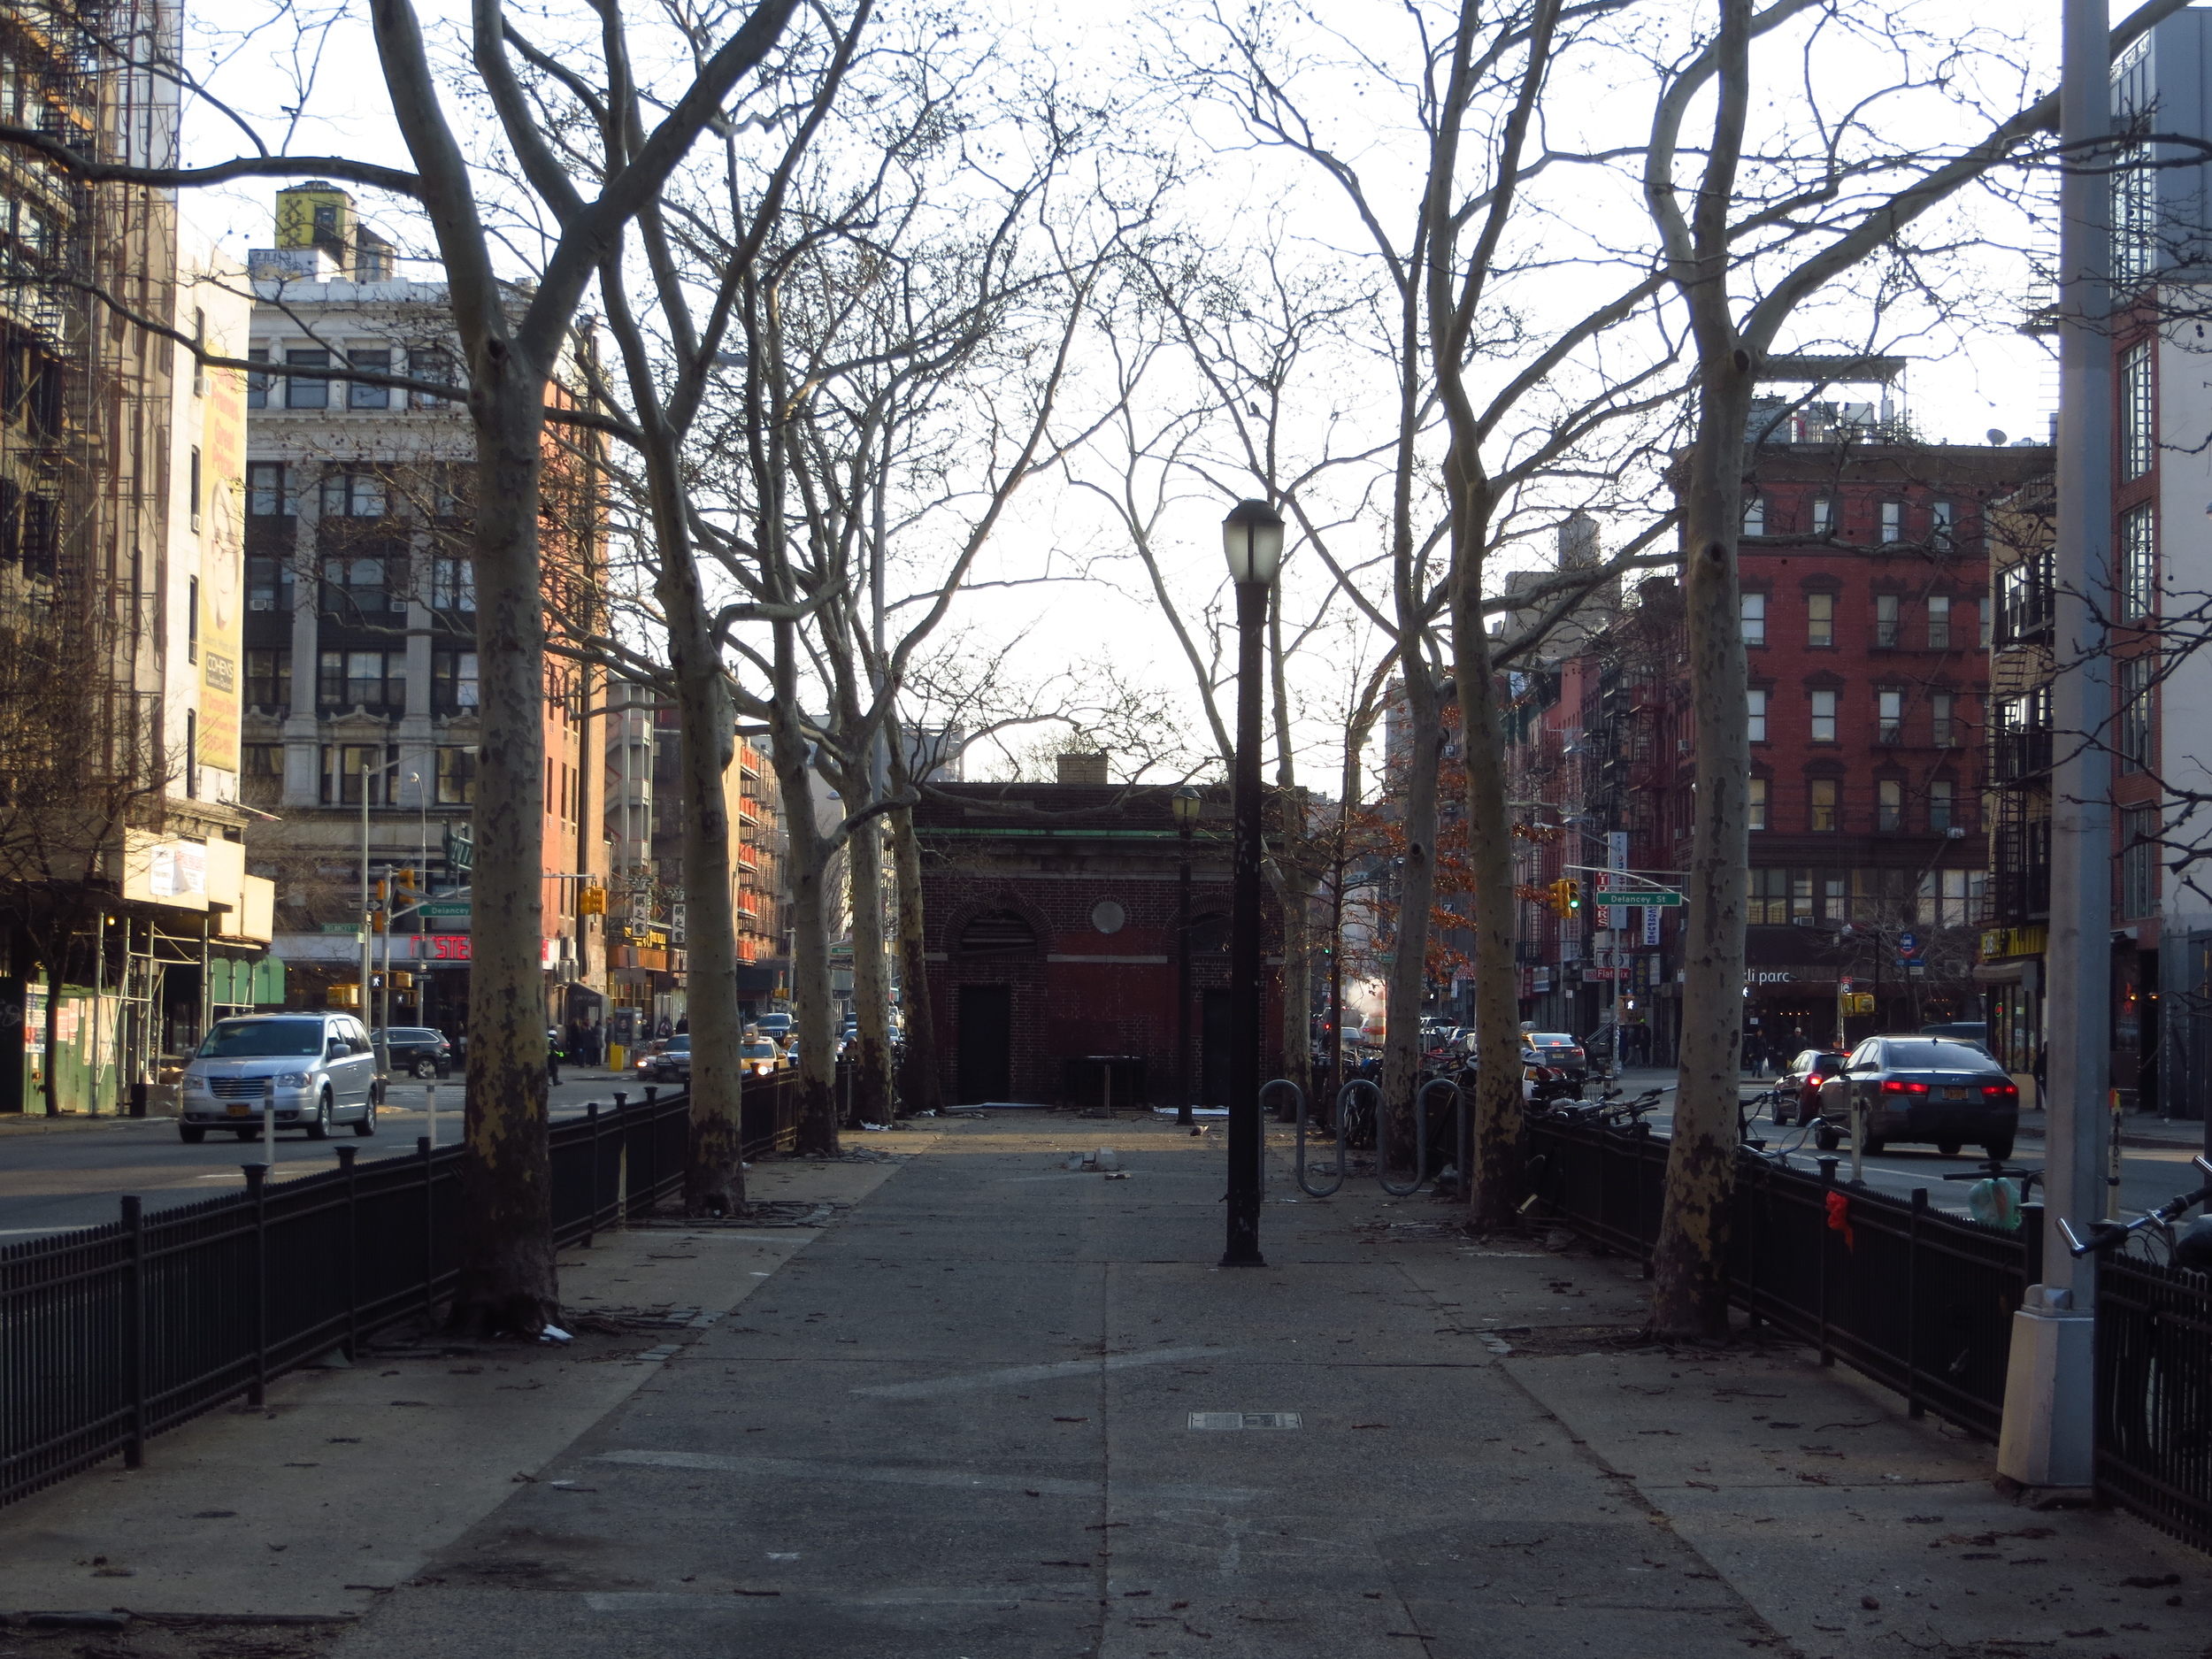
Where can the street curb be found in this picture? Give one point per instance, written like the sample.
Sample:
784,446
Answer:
39,1124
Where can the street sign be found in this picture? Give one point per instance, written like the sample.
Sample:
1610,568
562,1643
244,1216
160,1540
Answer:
1650,898
1907,943
342,927
443,907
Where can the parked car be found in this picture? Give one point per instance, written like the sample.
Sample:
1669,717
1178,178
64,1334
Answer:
321,1064
1800,1084
1558,1051
1934,1089
672,1063
418,1051
776,1025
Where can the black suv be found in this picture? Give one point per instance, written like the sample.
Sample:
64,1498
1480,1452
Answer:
417,1050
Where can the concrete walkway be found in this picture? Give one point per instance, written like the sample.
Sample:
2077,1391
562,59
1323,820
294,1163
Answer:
1001,1408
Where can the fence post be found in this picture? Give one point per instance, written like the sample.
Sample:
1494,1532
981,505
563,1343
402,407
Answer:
423,1150
591,1208
134,1332
2031,1244
652,1150
1914,1405
256,1190
1820,1257
346,1155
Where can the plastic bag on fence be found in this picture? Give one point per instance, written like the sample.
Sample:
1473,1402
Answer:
1839,1220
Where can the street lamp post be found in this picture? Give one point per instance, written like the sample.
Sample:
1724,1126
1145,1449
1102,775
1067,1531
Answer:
1252,539
1185,803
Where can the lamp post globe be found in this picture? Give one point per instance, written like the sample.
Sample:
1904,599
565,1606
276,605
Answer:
1252,542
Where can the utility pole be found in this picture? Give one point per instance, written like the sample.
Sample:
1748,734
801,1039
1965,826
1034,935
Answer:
2048,1438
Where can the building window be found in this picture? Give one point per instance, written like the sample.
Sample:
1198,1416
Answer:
1755,712
2138,564
453,584
2138,413
430,362
1940,733
1769,905
261,782
1978,620
1940,804
352,770
367,680
257,381
1823,515
453,682
269,680
356,591
1754,619
191,618
1755,514
2135,712
457,777
1939,622
194,486
1758,804
268,585
1886,620
192,753
199,345
1889,803
1948,898
353,496
306,391
1889,709
1940,523
267,493
1824,815
362,396
1893,523
1820,619
1824,704
2138,861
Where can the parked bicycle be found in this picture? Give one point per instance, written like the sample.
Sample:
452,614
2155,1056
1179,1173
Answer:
2151,1235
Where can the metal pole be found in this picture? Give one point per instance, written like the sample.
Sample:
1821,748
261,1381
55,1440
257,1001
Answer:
1246,1147
99,1000
134,1330
268,1121
2049,1434
1182,991
368,960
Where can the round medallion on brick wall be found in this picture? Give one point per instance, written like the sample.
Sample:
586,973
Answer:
1107,917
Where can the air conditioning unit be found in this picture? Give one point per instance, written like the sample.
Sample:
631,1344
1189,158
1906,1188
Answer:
261,604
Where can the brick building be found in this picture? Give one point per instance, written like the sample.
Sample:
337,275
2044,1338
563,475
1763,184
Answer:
1051,942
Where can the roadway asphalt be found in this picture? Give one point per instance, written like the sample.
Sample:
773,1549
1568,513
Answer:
72,1176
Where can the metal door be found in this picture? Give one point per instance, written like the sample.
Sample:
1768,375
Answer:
986,1043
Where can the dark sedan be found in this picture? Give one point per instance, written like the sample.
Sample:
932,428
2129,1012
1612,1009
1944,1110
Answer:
1800,1084
417,1051
672,1063
1933,1089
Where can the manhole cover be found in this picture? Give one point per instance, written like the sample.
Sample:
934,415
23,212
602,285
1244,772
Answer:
1244,1420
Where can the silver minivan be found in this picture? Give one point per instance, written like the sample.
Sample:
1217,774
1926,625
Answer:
320,1062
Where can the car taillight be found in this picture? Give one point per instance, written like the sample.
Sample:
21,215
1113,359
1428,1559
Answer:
1892,1086
2000,1091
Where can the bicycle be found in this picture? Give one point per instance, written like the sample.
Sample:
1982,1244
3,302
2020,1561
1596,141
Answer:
2154,1232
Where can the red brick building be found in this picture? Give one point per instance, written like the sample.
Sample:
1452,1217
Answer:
1052,941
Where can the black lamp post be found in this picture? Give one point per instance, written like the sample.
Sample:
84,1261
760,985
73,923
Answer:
1252,538
1186,804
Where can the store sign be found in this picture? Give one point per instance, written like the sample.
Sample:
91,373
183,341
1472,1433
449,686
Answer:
455,949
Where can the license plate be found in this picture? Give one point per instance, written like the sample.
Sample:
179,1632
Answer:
1953,1093
240,1111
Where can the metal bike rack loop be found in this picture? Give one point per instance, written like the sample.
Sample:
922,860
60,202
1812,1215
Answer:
1304,1185
1382,1146
1459,1121
1266,1090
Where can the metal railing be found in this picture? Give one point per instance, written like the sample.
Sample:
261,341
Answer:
111,1335
2155,1394
1920,1300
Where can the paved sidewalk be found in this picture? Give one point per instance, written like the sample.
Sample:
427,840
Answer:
959,1425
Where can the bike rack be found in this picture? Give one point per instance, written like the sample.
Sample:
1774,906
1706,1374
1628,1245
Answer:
1382,1137
1266,1090
1459,1121
1305,1186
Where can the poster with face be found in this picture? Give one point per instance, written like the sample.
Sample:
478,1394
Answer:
222,567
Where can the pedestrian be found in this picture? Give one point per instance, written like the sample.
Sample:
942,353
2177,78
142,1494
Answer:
552,1055
683,1025
2042,1055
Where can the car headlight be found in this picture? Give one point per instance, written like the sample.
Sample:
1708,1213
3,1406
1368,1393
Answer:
294,1080
195,1086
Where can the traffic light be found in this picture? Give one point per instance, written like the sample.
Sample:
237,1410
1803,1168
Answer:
592,901
379,902
1574,896
1566,897
404,889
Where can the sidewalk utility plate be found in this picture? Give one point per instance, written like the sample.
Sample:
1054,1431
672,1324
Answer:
1244,1420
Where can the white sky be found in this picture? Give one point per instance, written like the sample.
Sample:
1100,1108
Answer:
1965,379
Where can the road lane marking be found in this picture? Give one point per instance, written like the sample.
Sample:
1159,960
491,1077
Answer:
1034,1373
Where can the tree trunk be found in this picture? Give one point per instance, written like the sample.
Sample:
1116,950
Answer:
1417,894
919,1090
714,1166
872,982
1496,1153
810,972
1690,1257
507,1284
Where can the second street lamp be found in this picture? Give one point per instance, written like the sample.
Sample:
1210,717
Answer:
1252,540
1186,806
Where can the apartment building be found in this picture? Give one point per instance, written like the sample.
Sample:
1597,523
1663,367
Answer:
127,918
361,723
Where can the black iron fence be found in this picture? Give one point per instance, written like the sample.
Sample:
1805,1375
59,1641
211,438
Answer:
1918,1300
2155,1394
114,1333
